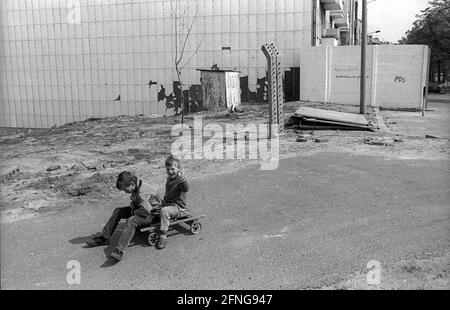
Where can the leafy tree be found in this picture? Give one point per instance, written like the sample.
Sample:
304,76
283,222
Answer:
432,28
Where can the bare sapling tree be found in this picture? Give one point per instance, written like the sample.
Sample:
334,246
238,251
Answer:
184,21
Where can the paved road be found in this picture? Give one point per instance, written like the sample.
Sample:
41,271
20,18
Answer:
314,221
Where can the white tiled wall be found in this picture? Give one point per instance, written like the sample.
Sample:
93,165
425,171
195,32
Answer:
59,64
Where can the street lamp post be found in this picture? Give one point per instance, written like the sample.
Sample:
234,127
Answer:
362,99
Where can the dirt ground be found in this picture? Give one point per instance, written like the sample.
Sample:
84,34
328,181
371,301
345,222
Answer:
46,170
63,167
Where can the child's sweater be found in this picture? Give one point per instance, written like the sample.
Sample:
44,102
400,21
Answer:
140,198
176,192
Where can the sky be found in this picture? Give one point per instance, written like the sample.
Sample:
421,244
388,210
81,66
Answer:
392,17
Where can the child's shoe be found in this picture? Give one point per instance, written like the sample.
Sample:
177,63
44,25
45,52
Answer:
162,242
97,241
117,255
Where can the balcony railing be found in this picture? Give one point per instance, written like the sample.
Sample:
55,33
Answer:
341,22
336,14
331,33
332,4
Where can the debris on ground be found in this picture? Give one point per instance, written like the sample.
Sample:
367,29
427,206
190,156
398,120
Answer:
9,173
304,137
53,168
383,141
431,137
237,110
93,165
321,140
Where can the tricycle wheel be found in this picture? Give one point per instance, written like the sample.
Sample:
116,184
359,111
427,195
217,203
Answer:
152,238
196,228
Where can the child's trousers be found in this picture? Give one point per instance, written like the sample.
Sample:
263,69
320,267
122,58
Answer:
167,213
133,223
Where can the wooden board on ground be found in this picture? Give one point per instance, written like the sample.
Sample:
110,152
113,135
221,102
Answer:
183,220
350,126
328,115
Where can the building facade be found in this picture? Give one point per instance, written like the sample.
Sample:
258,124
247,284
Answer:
63,61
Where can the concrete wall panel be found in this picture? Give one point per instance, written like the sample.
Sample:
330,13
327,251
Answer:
395,75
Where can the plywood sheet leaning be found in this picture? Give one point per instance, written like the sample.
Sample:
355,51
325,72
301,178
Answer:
328,119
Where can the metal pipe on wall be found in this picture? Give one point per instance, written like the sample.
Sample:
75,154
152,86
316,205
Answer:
363,58
314,23
355,22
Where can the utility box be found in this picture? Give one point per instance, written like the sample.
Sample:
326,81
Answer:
221,89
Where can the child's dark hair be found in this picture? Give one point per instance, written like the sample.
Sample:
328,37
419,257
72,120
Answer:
171,160
125,179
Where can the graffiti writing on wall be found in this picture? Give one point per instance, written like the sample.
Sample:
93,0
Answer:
348,73
341,76
346,69
399,79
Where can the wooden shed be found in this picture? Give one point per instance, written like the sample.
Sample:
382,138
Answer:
221,89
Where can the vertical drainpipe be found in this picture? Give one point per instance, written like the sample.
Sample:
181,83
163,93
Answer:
314,23
373,100
355,26
427,53
363,59
350,27
329,56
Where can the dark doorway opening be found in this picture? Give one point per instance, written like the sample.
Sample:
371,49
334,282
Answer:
292,84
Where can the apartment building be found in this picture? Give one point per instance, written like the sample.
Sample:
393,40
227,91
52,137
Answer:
63,61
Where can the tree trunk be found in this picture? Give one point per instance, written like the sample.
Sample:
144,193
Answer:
181,92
